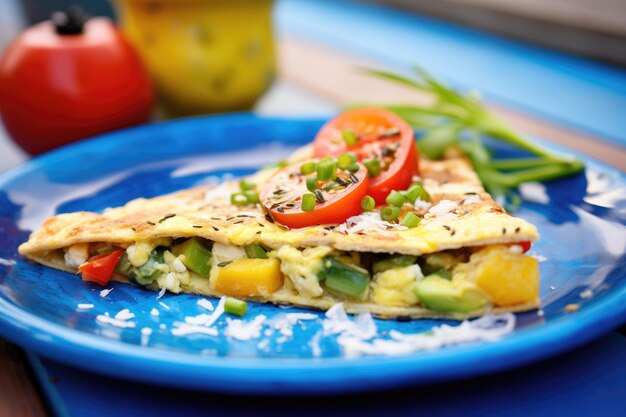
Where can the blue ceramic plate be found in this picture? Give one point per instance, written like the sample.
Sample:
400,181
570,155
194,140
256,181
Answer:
581,220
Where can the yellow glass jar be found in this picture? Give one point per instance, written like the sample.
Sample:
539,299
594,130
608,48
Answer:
204,56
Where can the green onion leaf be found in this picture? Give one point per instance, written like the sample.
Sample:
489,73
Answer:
373,167
390,213
308,168
410,220
238,199
349,137
245,185
308,202
346,160
235,306
368,203
395,199
326,170
311,184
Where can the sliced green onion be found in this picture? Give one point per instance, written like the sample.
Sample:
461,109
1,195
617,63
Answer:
390,213
245,185
327,159
326,170
368,203
256,251
349,137
238,199
395,199
308,168
251,196
410,220
373,166
354,167
346,160
311,184
235,306
417,191
308,202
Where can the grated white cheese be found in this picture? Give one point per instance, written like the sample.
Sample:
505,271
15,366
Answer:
338,322
85,306
588,293
124,315
472,199
217,194
145,335
241,330
443,209
162,326
161,293
198,320
184,329
205,304
165,306
316,349
106,292
284,323
263,344
106,319
487,328
154,312
421,204
534,192
367,222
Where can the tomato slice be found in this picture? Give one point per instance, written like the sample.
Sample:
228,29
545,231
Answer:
381,135
100,268
525,246
282,197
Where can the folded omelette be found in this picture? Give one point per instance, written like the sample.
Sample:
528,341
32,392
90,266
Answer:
463,258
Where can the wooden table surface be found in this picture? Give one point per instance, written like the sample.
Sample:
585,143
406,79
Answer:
329,78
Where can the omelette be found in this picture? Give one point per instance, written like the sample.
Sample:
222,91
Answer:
446,250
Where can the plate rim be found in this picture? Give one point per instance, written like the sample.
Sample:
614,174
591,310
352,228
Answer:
324,375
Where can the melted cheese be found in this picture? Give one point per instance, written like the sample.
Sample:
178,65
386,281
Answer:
139,252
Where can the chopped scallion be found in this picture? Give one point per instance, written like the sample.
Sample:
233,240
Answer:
326,170
245,185
235,306
354,167
373,167
410,220
311,184
329,185
417,191
251,196
395,199
368,203
390,213
308,202
346,160
308,168
349,137
238,199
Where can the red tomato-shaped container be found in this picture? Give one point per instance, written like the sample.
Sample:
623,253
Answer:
70,79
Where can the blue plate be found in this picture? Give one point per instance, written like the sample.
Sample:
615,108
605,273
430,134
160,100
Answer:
581,220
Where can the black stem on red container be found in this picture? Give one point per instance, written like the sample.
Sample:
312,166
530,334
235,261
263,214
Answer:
70,22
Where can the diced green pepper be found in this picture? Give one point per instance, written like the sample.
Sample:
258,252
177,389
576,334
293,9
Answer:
147,273
393,261
256,251
197,258
235,306
343,279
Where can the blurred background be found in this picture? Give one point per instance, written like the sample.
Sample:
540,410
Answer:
208,56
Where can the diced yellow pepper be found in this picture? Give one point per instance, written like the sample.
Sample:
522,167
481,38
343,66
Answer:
249,277
508,278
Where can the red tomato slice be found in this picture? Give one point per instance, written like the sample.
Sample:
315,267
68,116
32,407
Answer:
525,246
282,197
100,268
382,135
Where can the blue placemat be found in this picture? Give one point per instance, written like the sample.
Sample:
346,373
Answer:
586,381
